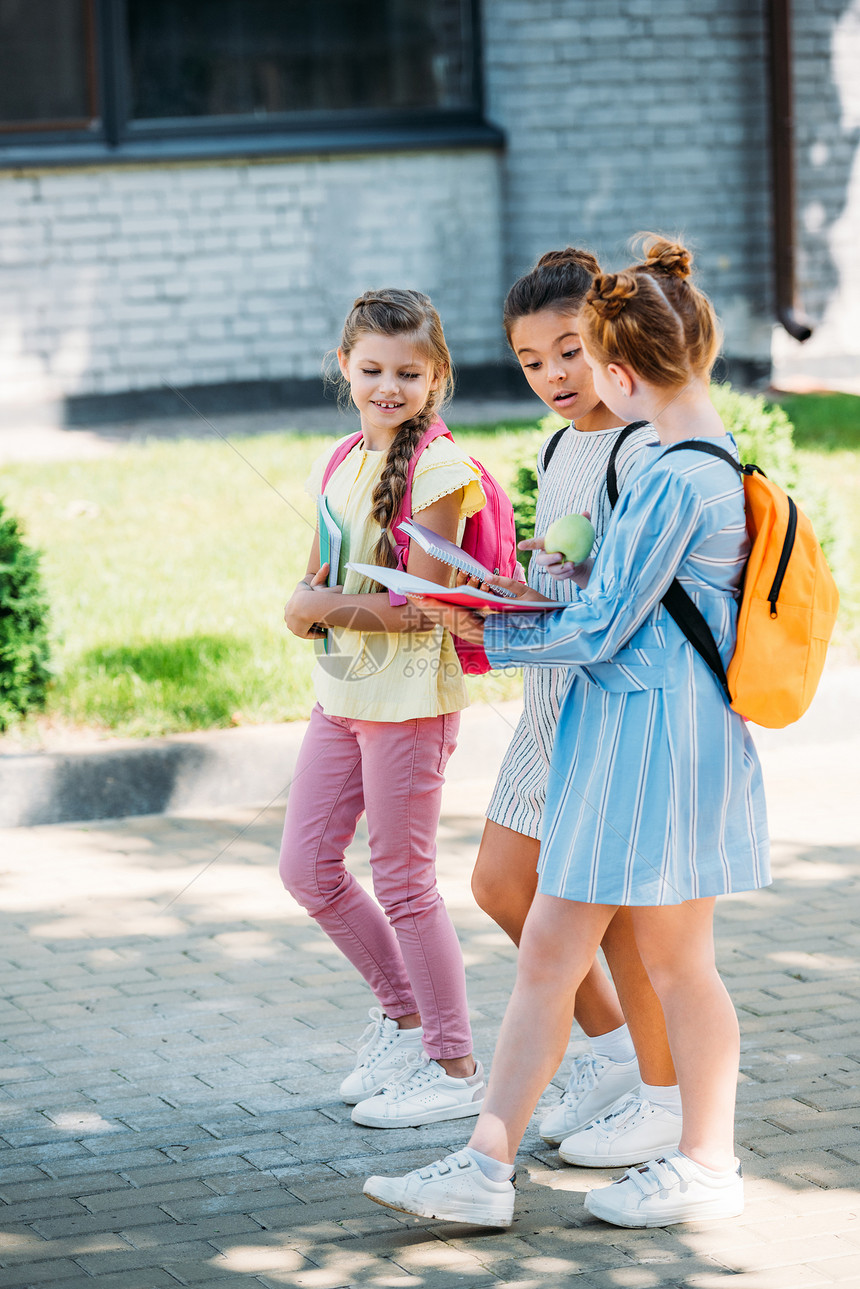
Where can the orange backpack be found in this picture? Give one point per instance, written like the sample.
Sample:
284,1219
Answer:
787,611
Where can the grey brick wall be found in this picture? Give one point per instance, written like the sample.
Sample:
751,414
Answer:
124,278
619,114
624,115
827,133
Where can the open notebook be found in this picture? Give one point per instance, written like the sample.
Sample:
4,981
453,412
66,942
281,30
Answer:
440,548
394,579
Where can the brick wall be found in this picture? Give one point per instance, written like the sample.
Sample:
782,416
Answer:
619,115
827,133
624,115
123,278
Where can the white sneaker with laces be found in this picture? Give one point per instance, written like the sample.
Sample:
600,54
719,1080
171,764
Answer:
632,1131
668,1190
594,1085
422,1093
383,1047
453,1189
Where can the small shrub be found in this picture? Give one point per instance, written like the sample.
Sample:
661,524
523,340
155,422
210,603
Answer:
24,651
763,432
763,435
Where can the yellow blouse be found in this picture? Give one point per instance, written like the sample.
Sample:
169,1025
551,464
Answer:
382,675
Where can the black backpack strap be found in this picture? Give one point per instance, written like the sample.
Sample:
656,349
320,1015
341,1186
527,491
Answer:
688,617
549,450
611,472
679,606
712,449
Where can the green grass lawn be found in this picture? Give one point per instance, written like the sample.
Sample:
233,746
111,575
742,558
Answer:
827,437
167,566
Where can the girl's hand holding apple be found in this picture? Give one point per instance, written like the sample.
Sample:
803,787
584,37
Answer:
564,550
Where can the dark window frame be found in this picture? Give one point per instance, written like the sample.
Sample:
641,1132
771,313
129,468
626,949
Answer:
112,139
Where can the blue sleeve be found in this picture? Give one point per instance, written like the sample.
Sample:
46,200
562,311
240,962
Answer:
655,526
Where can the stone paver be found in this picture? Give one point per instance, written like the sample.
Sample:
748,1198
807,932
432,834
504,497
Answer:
173,1033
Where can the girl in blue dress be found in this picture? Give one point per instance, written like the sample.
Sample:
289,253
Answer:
656,801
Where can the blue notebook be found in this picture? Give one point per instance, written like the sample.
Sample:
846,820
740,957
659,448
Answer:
331,539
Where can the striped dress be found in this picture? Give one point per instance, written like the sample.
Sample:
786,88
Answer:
655,791
574,482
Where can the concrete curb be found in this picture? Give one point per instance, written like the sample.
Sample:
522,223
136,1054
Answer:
189,772
153,776
254,765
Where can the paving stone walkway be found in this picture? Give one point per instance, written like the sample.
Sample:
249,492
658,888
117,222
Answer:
174,1031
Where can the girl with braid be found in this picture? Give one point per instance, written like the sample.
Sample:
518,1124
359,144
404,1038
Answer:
390,690
656,802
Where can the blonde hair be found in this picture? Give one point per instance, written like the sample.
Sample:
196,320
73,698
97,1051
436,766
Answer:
396,312
652,318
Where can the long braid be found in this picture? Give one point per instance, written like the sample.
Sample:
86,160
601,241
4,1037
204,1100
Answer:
400,312
391,488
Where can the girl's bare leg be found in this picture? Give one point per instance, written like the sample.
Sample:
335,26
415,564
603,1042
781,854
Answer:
642,1009
504,883
559,941
677,947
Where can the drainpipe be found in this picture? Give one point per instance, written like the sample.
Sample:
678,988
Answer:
782,168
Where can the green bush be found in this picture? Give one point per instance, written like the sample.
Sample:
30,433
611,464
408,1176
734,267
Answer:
24,651
763,433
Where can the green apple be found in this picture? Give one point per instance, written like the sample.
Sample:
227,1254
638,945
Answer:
572,536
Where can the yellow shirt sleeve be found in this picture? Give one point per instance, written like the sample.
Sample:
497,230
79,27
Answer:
443,468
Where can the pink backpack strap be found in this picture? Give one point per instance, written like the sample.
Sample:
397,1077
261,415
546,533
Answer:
437,429
339,455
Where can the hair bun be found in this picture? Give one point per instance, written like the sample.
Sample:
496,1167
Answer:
662,256
610,293
570,257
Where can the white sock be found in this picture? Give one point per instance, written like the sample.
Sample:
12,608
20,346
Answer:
668,1098
617,1045
495,1169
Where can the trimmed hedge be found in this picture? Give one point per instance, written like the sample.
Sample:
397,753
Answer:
24,649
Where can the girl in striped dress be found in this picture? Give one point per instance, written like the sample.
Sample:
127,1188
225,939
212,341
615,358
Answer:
616,1109
657,804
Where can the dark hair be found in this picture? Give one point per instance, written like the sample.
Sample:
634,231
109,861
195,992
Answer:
396,312
560,280
651,317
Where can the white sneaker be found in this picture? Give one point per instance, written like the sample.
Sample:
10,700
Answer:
422,1093
668,1190
383,1047
632,1131
453,1189
594,1085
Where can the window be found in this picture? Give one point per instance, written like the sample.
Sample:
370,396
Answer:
124,77
47,65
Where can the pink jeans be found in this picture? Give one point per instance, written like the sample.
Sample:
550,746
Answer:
409,953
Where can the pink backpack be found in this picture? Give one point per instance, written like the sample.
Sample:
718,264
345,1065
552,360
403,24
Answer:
489,536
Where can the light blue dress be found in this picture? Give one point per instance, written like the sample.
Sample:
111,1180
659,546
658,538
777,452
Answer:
655,791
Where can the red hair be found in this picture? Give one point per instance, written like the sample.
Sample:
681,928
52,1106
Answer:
652,318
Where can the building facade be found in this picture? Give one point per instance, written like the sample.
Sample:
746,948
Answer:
168,230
